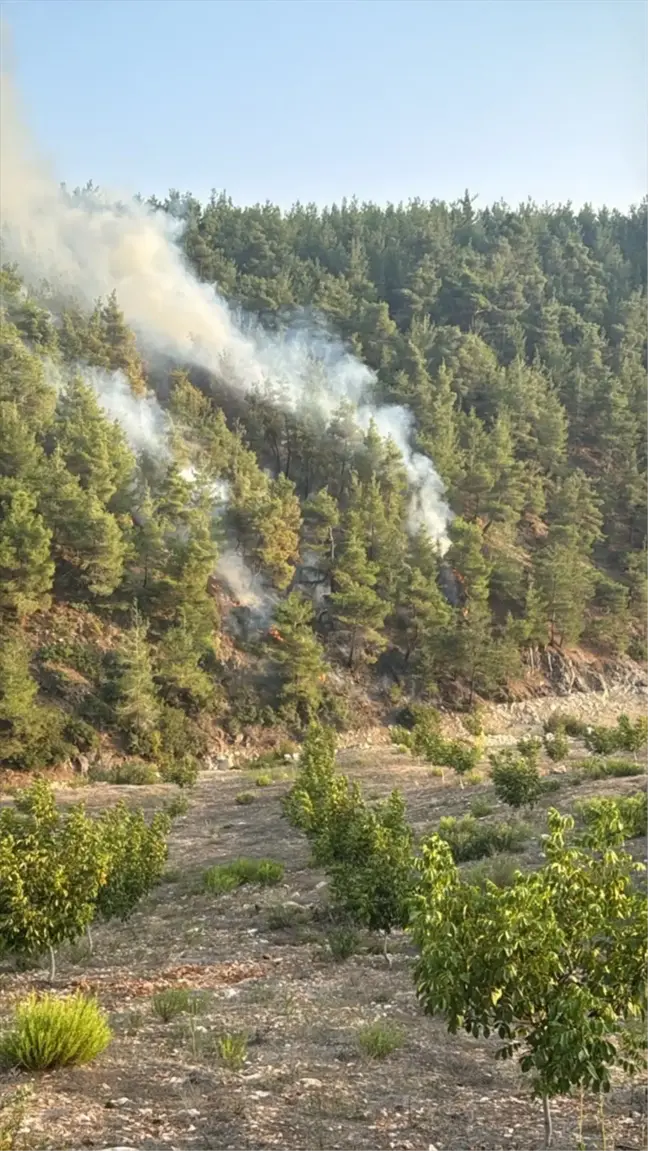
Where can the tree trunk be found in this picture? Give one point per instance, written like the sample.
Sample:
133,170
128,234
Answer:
89,938
52,959
548,1125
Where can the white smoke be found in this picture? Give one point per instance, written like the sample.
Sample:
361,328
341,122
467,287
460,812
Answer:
141,418
88,245
246,587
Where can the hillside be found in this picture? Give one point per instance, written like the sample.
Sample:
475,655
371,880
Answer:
315,463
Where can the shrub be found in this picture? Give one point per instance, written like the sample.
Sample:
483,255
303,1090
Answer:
342,942
481,807
264,780
500,870
564,721
373,884
50,1032
469,838
379,1039
556,745
553,964
171,1002
224,877
284,915
183,771
134,772
425,739
80,734
515,778
530,748
233,1050
625,736
179,805
244,798
597,768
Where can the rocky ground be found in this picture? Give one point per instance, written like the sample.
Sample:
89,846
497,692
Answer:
260,964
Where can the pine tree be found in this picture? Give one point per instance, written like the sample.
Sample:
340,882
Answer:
565,581
120,346
356,605
299,657
183,681
137,708
26,567
277,524
18,690
93,447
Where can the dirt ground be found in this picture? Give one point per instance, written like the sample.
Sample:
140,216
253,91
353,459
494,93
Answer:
305,1083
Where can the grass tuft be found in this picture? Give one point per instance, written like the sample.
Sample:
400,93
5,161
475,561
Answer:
380,1039
233,1050
50,1032
223,877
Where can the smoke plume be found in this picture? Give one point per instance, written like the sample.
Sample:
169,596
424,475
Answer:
86,245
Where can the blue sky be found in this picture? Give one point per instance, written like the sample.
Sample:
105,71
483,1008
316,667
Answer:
317,99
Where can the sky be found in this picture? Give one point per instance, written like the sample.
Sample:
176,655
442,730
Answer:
314,100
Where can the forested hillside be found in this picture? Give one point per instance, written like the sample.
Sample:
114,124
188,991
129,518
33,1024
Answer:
219,559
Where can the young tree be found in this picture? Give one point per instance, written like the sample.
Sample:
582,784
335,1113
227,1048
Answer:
554,964
52,867
374,888
136,852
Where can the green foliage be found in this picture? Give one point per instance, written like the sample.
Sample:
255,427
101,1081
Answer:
137,852
469,838
135,772
178,805
598,768
342,942
624,736
515,778
425,739
371,879
223,877
481,807
244,798
380,1039
137,708
552,964
556,745
299,657
52,868
570,724
171,1002
233,1050
264,779
49,1032
530,748
629,813
517,341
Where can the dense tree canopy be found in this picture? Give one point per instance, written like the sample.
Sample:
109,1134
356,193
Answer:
518,341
